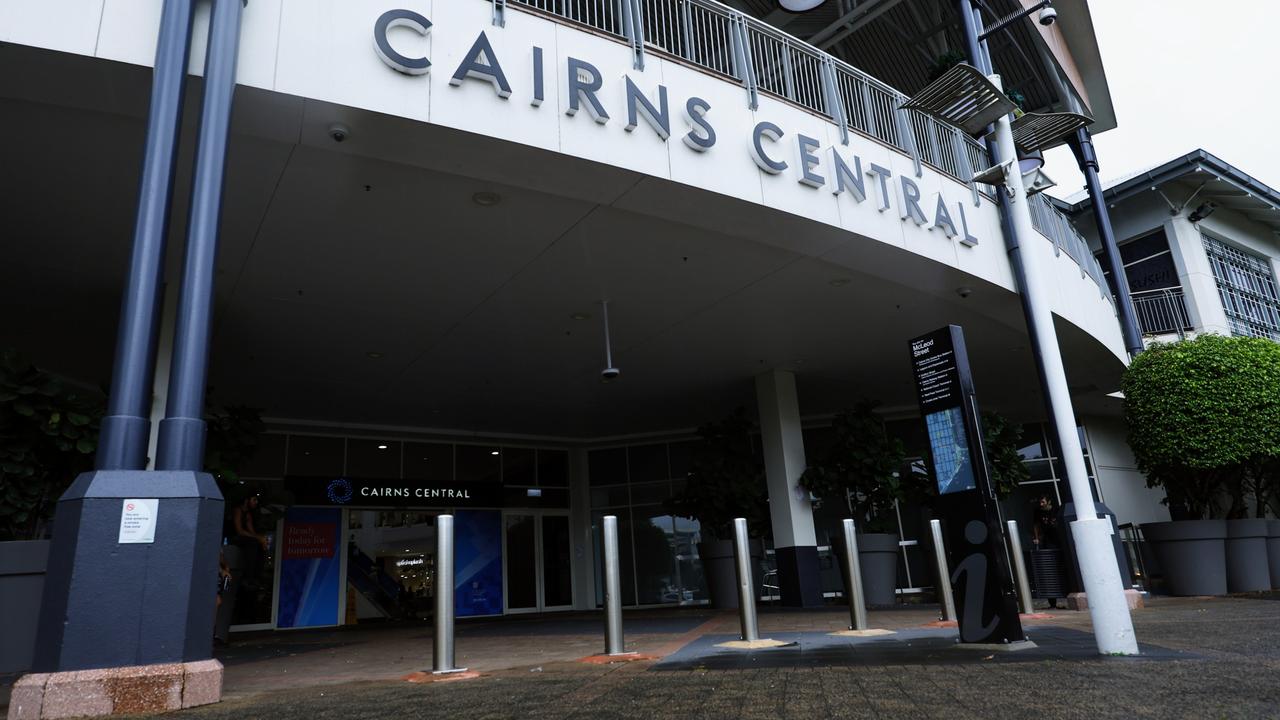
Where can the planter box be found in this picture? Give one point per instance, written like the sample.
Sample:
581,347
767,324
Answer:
1273,552
1193,554
1247,568
722,577
22,567
878,555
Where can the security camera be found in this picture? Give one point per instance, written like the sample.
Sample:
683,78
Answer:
339,132
1048,16
609,374
964,292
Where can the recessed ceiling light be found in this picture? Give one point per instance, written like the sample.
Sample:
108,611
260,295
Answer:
373,355
839,282
486,199
382,447
580,316
495,452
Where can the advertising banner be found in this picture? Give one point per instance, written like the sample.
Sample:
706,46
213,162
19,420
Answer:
477,562
986,606
310,568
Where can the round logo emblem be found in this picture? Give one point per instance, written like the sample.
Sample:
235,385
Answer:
340,491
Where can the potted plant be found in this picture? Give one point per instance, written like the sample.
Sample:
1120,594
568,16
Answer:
726,481
862,470
48,434
1202,415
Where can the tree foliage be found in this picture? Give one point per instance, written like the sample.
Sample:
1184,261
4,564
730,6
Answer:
1003,438
726,480
48,435
1204,421
863,467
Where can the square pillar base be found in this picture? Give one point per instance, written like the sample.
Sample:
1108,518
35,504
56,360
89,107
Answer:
116,691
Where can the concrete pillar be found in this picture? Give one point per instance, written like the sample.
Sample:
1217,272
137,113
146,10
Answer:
794,542
1204,304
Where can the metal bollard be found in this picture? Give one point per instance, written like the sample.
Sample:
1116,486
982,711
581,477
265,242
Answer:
442,655
944,572
853,571
613,642
746,589
1020,568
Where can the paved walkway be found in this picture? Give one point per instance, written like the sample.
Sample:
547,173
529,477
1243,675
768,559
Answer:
1206,658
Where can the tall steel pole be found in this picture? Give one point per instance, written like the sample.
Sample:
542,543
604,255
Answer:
853,571
1108,608
1087,157
181,439
613,642
122,442
442,657
746,585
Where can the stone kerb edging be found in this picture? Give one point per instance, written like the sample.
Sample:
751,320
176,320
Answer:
116,691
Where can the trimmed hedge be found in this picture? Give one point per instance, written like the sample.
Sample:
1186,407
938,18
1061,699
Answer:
1202,414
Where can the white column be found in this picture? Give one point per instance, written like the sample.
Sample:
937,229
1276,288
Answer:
1204,304
789,509
164,353
1108,607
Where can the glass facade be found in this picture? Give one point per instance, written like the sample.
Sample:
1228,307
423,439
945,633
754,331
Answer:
658,551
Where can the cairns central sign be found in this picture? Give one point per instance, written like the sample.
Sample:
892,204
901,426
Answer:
842,173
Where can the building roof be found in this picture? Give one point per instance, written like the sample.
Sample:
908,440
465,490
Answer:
1208,178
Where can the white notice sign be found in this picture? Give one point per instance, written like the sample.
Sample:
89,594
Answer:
138,520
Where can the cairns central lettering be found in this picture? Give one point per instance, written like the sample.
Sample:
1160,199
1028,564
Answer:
841,172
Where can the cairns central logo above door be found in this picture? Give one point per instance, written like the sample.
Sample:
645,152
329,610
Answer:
583,84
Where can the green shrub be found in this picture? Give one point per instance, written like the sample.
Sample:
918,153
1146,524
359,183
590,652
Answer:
1204,420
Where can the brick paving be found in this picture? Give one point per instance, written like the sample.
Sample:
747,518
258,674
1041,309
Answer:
1210,658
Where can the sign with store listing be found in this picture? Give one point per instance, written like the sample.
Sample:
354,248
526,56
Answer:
986,606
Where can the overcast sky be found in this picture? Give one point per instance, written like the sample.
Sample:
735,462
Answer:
1185,74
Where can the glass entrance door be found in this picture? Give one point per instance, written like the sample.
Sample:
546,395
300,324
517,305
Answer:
538,561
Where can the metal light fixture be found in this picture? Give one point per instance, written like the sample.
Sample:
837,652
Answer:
797,6
610,373
1030,161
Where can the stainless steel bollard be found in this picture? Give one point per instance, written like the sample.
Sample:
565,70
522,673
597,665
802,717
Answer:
1020,568
944,572
442,655
746,588
853,571
613,642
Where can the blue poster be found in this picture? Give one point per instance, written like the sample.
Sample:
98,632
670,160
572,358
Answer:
310,568
477,562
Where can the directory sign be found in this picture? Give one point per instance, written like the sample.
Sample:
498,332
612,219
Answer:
941,392
986,606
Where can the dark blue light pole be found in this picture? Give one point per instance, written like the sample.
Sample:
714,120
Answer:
113,596
1082,146
182,431
122,443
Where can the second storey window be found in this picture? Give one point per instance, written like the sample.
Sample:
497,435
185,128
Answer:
1248,290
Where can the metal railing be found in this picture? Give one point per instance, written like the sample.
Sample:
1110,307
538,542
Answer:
1162,312
1060,231
763,59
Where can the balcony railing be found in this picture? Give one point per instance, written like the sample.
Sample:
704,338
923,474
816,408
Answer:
763,59
1051,223
1162,312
